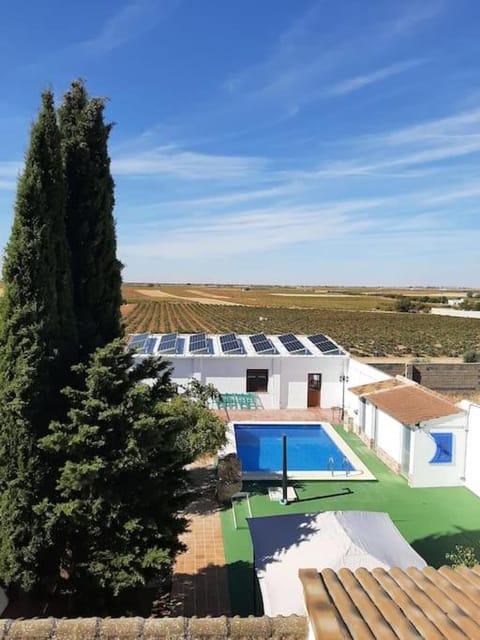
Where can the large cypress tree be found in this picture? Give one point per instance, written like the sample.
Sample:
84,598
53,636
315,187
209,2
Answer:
96,272
37,345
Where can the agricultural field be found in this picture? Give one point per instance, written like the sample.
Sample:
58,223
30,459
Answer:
348,299
363,333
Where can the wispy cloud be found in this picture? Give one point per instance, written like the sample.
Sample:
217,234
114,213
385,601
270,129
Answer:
8,174
131,21
256,229
186,165
428,143
307,56
228,199
359,82
418,13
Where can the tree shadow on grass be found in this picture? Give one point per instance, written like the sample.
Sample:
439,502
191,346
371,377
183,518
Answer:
434,548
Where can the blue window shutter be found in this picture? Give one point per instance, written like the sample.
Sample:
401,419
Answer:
444,452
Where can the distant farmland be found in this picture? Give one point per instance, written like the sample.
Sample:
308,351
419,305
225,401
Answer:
365,333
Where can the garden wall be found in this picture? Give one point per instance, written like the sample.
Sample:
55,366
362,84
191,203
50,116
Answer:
442,377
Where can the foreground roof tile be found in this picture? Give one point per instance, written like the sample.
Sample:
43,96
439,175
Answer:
428,603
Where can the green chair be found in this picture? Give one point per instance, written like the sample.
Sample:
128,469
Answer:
243,400
230,401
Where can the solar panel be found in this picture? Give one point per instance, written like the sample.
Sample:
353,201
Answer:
168,342
150,345
261,343
292,344
137,341
230,343
318,338
323,343
198,342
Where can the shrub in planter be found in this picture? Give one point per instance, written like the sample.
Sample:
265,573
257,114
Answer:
229,477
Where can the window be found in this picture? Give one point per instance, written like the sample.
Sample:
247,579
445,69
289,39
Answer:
257,380
444,452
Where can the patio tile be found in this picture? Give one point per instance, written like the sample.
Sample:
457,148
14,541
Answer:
200,577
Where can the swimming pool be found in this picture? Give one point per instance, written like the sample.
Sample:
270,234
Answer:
314,451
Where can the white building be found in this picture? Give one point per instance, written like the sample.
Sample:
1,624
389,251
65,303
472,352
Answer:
414,430
285,371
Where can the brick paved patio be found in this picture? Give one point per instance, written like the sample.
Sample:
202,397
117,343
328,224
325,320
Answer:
237,415
200,586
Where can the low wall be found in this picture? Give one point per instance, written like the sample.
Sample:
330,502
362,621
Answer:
291,627
457,313
443,377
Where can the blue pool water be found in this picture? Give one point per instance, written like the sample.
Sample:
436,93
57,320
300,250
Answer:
309,448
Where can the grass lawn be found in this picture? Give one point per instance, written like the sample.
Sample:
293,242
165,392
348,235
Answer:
432,520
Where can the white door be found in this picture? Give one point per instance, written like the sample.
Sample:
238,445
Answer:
407,439
374,426
361,417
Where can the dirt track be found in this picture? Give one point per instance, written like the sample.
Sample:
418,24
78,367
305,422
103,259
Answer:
157,293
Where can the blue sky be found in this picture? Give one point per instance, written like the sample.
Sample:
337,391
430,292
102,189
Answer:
292,142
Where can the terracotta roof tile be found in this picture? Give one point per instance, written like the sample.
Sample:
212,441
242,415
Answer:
429,604
412,404
373,387
406,401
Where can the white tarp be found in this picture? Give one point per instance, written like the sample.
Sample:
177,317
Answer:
334,539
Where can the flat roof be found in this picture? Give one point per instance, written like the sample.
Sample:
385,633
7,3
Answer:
406,401
427,603
172,345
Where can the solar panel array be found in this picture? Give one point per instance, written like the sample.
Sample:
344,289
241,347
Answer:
198,342
230,343
168,343
292,344
261,343
325,344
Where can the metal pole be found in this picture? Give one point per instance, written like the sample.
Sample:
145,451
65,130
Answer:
343,398
284,499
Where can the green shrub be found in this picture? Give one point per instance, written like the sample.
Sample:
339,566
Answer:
462,556
471,356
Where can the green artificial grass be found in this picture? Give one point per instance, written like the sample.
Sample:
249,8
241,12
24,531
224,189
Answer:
432,520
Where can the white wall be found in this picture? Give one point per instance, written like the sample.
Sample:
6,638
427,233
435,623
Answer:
390,436
287,376
472,466
370,418
450,474
360,373
294,377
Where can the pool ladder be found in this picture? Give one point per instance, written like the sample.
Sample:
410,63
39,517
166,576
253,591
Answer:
345,465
